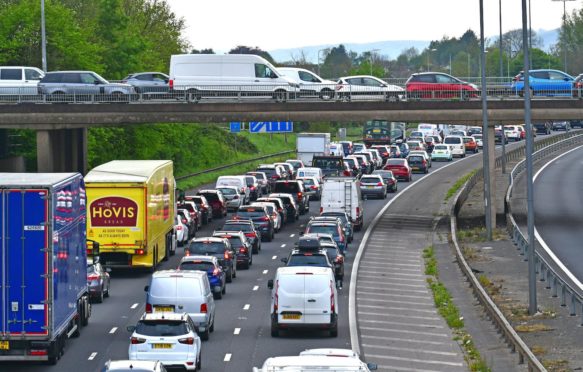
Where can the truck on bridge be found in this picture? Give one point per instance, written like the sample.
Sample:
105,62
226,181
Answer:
44,298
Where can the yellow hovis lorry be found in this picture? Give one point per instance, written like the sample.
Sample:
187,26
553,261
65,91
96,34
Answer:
131,211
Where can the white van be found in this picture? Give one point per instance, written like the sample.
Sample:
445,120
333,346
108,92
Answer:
19,80
228,75
428,129
336,149
183,291
342,194
456,144
239,182
311,85
310,172
315,363
303,297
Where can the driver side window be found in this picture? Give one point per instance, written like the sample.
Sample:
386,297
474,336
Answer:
263,71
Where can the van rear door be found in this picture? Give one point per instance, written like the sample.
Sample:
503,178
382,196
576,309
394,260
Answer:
319,295
291,298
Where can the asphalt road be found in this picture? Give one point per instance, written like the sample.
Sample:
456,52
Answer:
558,201
241,339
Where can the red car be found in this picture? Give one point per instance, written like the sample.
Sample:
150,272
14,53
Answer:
439,85
216,200
400,169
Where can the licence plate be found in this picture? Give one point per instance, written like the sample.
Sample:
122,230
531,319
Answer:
4,345
161,346
370,187
415,168
163,309
292,316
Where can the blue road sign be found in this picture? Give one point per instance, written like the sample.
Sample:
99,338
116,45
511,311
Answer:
271,126
235,126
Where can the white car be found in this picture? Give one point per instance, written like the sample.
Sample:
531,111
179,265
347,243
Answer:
422,153
311,85
456,145
512,132
234,199
441,152
367,87
170,338
479,141
181,231
315,363
133,365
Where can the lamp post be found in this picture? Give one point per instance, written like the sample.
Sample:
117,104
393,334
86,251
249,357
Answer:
43,35
321,50
500,41
429,52
564,23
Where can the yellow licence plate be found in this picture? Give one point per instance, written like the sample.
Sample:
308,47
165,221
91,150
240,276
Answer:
4,345
161,346
370,187
165,309
415,168
292,316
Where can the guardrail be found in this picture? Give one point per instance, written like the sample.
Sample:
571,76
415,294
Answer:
512,338
557,281
247,161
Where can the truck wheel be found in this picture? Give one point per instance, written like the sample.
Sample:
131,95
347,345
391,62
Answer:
85,311
274,331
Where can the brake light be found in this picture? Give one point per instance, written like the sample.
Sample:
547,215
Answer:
332,305
171,84
379,184
275,176
148,308
184,221
137,340
35,352
179,227
321,210
216,272
346,173
186,341
313,187
251,234
227,256
140,251
243,250
203,308
339,259
276,297
357,211
93,277
264,218
299,195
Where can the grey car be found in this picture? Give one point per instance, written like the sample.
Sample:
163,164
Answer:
97,279
148,83
66,86
373,185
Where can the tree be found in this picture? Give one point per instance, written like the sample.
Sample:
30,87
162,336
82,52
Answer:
242,49
571,40
337,63
203,51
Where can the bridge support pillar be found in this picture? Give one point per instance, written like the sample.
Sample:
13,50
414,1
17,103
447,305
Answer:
62,150
492,163
9,163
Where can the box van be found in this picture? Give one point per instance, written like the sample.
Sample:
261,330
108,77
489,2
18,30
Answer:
239,182
342,194
428,129
183,291
20,80
303,297
228,75
456,144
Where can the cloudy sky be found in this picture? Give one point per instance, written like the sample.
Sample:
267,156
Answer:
223,24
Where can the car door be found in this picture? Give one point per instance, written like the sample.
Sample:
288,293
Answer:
290,290
318,296
560,83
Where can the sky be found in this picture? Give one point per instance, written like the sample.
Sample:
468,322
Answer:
269,25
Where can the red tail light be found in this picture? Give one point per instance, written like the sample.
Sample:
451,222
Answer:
179,227
276,297
184,221
332,305
251,235
379,184
203,308
264,218
148,308
93,277
275,176
357,211
321,210
313,187
216,272
186,341
227,256
243,250
140,251
252,188
346,173
137,340
299,195
35,352
339,259
171,84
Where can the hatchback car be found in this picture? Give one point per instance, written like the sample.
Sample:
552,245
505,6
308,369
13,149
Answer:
373,185
193,210
186,219
383,150
273,211
203,205
542,127
395,151
233,198
389,179
296,189
181,231
441,152
170,338
273,173
422,153
544,82
240,244
353,166
262,180
439,85
344,220
216,200
326,227
400,168
133,366
150,84
292,209
254,187
418,163
260,217
210,265
66,86
367,87
98,280
248,228
470,144
218,247
281,208
561,125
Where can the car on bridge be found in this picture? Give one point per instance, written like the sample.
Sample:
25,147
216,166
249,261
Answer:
69,86
439,85
149,84
311,85
543,127
544,82
367,87
561,125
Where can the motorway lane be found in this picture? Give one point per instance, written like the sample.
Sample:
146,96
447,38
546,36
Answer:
99,341
558,201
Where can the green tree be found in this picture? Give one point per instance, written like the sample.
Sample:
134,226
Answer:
242,49
337,63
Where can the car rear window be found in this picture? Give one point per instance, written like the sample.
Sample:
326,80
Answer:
369,180
323,229
441,147
227,191
452,140
197,265
308,259
415,159
287,187
327,163
211,197
308,182
237,227
250,213
161,328
395,162
268,171
206,247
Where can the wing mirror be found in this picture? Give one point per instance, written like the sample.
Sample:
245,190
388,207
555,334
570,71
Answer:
131,328
270,284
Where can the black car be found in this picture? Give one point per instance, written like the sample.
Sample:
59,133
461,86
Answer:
389,179
498,135
219,248
576,123
260,217
330,165
561,125
292,210
542,127
241,244
296,189
248,228
281,208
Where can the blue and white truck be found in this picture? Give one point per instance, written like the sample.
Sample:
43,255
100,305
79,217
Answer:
44,299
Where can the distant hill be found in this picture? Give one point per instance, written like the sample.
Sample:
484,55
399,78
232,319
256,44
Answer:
389,48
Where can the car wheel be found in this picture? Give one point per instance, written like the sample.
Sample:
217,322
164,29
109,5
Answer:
199,362
234,269
107,292
326,94
274,331
218,295
192,95
224,289
280,96
334,331
205,335
99,298
230,277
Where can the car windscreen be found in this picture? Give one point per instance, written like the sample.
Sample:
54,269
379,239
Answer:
197,265
237,227
161,328
203,247
308,260
287,187
323,229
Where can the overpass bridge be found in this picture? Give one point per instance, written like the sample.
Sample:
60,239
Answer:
62,128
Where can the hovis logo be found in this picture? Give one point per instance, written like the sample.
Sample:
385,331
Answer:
113,211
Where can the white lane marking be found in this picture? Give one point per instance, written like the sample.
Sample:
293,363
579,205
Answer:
246,307
227,357
372,356
274,257
385,330
292,235
406,309
134,306
92,356
256,288
401,340
265,272
112,331
237,331
435,318
540,239
283,245
425,326
416,350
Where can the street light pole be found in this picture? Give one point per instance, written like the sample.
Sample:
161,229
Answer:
43,35
428,52
500,41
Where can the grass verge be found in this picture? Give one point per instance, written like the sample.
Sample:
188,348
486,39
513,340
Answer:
458,184
449,311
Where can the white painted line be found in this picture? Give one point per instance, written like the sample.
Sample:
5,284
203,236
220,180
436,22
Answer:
112,331
283,245
398,285
392,278
405,331
400,340
237,331
274,257
246,307
414,360
416,350
385,367
265,271
292,235
92,356
406,309
425,326
256,288
134,306
392,315
392,290
227,357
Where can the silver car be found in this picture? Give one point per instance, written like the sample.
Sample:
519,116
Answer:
66,86
148,83
373,185
231,194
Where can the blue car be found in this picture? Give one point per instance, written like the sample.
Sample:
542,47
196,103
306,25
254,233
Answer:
209,264
544,83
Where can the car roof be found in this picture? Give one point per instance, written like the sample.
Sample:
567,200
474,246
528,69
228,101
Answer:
137,365
209,190
313,360
198,257
176,273
332,352
208,238
165,315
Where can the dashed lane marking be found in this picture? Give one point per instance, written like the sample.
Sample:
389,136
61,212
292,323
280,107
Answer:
246,307
227,357
256,288
92,356
237,331
112,331
134,306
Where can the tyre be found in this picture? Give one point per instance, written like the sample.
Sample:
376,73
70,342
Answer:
234,268
224,289
391,98
212,327
192,96
218,295
84,314
205,335
326,94
334,331
274,331
108,287
280,96
199,363
230,276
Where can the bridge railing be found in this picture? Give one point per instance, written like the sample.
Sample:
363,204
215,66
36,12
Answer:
512,338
